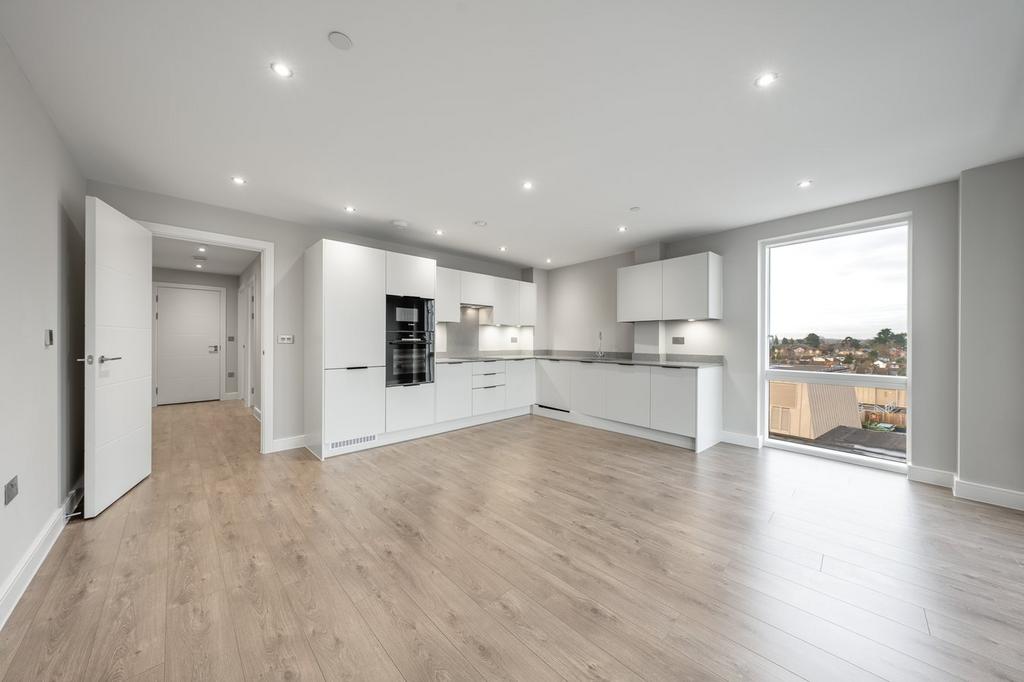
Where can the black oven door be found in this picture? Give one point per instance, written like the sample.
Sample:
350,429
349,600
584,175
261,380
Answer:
410,358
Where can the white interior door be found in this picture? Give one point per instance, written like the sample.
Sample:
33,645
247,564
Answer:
118,361
189,325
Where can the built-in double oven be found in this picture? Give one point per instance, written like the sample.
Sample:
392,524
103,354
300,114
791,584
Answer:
410,340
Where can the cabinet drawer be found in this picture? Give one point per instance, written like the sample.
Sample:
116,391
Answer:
490,399
489,367
485,380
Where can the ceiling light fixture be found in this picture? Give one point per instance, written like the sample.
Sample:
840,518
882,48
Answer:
804,184
350,209
766,79
238,180
503,249
439,233
634,209
622,228
201,249
528,184
282,70
547,260
480,223
339,40
199,265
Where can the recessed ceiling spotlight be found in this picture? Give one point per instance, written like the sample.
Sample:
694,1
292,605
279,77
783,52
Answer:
766,79
547,260
201,249
199,265
480,223
339,40
804,184
282,70
350,209
238,180
622,228
634,209
503,249
528,184
439,232
400,223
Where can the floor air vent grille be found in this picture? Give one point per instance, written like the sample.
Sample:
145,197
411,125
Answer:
358,440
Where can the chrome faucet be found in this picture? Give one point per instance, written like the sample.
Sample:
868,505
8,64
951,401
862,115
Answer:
599,353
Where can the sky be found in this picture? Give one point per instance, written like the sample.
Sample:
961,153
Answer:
852,285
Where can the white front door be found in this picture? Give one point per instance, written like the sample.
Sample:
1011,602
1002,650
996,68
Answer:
118,361
188,344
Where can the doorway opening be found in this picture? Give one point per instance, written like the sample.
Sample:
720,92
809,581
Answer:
835,351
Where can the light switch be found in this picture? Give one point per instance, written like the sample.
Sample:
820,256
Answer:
47,337
286,338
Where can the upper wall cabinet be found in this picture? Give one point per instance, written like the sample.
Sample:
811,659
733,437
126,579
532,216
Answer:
527,304
353,299
449,295
685,288
506,302
640,292
411,276
691,287
478,289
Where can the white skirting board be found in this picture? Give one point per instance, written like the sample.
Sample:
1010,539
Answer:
617,427
989,494
235,395
392,437
15,584
256,413
289,443
743,439
931,476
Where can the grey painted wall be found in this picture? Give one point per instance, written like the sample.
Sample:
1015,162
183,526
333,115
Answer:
42,281
991,321
290,242
581,301
230,284
933,315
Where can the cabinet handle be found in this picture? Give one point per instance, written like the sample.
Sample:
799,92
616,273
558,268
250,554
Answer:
624,364
586,362
487,387
489,374
359,367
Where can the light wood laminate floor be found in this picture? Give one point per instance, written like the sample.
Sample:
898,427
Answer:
527,549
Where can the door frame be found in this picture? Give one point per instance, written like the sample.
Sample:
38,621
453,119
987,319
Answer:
763,327
266,255
243,346
222,337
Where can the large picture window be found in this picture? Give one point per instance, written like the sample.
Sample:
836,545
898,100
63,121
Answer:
837,322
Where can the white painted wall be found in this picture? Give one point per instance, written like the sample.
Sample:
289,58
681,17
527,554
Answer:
991,324
581,301
290,243
42,218
230,284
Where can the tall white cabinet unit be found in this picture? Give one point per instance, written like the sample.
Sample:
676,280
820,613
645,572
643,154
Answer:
447,305
344,345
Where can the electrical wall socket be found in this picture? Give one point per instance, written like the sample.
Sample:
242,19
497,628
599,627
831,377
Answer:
678,340
231,375
10,490
514,339
286,338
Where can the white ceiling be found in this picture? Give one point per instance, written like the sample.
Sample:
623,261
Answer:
220,260
443,108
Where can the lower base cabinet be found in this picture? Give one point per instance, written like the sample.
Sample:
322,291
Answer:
554,383
454,383
353,404
489,399
674,400
408,406
628,394
520,383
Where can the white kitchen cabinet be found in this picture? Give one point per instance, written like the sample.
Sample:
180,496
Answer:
407,407
488,366
478,289
589,387
674,400
520,383
449,292
506,302
554,383
628,394
692,287
353,304
488,380
527,304
454,382
639,292
489,399
353,406
411,276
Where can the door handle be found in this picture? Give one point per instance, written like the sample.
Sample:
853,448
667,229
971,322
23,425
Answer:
87,359
213,349
104,358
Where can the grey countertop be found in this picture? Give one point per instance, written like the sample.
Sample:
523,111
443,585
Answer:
619,359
